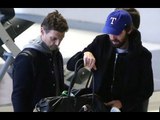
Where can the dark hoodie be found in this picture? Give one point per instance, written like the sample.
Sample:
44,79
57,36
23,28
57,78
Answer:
135,85
37,76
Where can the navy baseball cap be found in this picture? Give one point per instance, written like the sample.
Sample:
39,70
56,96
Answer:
116,22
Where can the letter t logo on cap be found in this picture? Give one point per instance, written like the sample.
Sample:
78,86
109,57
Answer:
112,20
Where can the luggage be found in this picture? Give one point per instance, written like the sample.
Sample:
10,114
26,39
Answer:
82,100
83,103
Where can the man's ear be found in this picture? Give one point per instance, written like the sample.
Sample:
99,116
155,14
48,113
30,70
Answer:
42,30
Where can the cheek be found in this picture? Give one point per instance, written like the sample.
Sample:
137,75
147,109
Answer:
121,38
48,42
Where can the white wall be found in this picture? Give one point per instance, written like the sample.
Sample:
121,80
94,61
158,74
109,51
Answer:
95,15
149,26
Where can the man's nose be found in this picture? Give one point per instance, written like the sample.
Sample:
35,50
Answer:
57,42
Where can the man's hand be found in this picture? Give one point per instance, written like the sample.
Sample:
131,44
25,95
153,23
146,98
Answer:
89,60
114,103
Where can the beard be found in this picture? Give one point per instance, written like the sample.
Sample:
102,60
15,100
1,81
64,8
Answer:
53,48
120,44
117,44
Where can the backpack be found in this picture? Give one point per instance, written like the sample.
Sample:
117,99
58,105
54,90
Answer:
26,52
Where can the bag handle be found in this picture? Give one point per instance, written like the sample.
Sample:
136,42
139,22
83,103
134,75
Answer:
79,70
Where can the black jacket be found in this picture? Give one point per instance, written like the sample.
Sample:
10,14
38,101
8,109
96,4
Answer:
137,83
34,77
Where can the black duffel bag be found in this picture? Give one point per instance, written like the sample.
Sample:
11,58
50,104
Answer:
83,100
83,103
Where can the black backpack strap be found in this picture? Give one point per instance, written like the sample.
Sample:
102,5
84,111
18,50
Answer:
26,53
32,55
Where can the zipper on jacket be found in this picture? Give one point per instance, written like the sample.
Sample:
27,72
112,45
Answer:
114,71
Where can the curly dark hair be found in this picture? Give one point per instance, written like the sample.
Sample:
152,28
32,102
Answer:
55,21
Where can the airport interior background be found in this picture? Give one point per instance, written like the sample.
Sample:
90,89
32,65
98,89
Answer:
85,24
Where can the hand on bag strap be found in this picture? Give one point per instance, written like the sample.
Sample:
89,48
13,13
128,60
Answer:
80,73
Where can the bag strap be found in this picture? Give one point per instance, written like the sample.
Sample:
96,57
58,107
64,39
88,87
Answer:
80,70
31,54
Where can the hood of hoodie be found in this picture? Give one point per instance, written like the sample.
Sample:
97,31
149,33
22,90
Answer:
135,43
39,45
